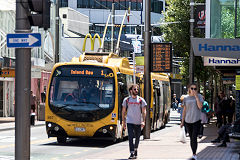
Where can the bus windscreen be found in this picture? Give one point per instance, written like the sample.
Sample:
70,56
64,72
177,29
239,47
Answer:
82,93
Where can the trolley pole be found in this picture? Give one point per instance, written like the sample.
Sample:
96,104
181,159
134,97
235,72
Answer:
191,59
57,32
147,80
22,86
113,22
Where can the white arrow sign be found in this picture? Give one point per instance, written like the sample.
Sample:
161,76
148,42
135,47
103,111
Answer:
24,40
30,40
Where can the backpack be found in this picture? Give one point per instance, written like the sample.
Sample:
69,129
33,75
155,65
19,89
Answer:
205,108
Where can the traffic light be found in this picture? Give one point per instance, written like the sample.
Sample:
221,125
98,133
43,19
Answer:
39,13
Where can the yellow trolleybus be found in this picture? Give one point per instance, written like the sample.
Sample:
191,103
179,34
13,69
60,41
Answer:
84,97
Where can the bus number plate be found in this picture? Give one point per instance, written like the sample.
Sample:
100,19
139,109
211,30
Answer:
79,129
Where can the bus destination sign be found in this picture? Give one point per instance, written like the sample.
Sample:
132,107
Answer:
161,57
82,70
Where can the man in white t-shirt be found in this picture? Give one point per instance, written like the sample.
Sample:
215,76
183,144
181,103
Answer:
135,106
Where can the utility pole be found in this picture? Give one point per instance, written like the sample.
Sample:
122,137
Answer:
22,86
57,33
147,79
113,22
191,59
134,62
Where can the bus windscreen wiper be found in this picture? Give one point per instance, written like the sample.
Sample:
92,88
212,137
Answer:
65,107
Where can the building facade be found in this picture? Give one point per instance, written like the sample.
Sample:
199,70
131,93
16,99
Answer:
7,80
7,61
222,23
98,11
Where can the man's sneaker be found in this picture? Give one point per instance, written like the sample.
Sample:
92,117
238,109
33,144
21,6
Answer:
216,140
194,157
135,153
132,156
222,145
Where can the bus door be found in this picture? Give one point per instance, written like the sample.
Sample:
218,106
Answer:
161,101
156,104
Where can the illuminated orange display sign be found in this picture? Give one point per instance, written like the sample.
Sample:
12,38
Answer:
88,72
83,72
161,57
8,73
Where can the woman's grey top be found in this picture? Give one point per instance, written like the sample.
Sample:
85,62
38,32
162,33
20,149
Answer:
193,113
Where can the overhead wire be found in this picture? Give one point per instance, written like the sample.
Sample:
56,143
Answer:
102,5
132,14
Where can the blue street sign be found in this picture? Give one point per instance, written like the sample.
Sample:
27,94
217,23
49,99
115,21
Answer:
24,40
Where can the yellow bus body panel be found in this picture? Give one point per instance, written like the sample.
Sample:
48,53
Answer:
91,127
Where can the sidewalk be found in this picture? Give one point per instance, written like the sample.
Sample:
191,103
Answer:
164,144
8,123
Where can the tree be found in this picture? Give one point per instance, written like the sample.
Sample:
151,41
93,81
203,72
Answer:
228,17
176,30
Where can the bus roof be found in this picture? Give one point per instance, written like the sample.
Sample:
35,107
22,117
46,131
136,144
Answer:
121,64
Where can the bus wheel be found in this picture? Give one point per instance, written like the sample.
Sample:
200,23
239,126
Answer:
62,139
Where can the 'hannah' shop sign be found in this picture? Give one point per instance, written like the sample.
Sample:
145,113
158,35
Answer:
229,48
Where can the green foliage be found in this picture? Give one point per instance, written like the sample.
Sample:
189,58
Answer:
178,12
228,17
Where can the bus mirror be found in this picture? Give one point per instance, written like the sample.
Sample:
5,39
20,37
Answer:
120,83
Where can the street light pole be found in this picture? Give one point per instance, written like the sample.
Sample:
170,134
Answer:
191,58
57,32
22,86
147,79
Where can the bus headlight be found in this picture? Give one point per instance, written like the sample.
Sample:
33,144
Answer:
111,127
104,130
49,125
56,128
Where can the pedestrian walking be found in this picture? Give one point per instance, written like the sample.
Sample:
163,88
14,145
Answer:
135,107
175,102
225,104
218,111
43,96
33,108
221,109
180,110
204,117
192,105
230,109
